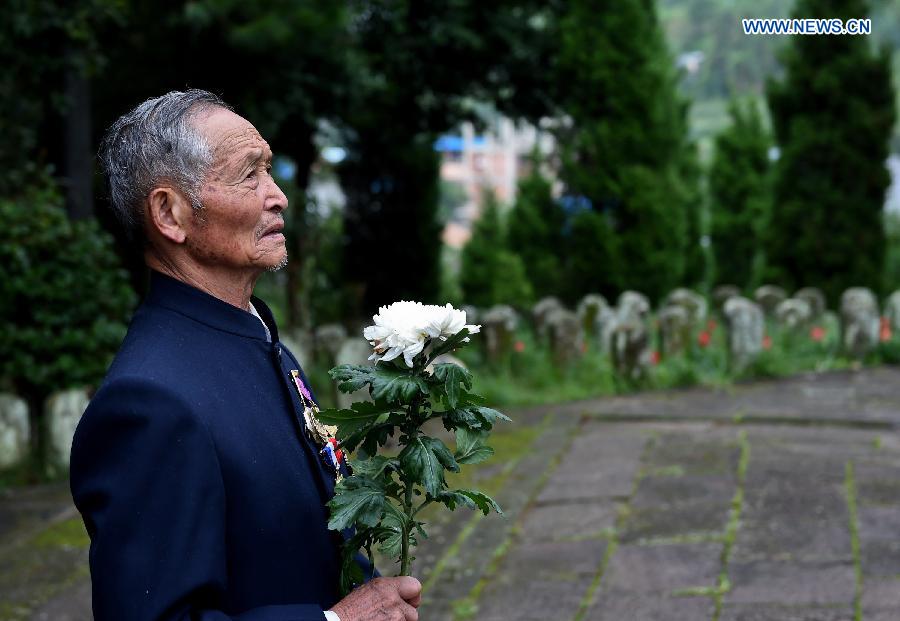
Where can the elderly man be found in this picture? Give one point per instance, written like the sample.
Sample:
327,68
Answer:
199,483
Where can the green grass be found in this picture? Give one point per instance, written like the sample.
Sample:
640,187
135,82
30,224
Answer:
850,488
67,534
734,522
588,599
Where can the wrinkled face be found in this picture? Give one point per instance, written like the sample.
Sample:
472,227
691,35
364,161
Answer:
239,227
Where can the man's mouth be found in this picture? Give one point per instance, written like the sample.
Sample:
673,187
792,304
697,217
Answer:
274,230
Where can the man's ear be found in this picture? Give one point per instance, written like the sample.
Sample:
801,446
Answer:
169,214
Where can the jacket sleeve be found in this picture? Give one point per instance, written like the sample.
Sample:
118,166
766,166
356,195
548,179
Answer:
145,476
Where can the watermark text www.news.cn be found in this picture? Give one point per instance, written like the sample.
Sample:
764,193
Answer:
833,26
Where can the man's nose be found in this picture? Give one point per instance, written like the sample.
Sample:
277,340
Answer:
276,200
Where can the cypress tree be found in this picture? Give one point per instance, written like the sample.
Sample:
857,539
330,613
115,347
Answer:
536,233
491,274
627,149
740,195
589,264
832,114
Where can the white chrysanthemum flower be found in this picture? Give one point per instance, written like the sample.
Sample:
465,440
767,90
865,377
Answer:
404,327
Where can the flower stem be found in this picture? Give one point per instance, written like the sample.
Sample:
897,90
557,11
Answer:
412,432
404,542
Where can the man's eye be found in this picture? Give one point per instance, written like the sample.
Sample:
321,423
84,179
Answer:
251,174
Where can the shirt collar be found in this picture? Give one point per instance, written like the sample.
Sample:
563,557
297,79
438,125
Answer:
167,292
256,314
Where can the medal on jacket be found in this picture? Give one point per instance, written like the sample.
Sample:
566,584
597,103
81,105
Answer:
321,434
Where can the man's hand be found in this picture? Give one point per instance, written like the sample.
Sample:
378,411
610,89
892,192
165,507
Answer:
382,599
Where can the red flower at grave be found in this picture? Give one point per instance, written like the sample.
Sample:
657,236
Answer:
519,346
767,342
711,325
583,347
654,357
885,332
703,338
817,333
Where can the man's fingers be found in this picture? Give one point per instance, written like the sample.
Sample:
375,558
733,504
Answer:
415,602
408,587
410,613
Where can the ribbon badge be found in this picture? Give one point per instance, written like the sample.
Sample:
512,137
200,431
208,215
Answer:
321,434
334,456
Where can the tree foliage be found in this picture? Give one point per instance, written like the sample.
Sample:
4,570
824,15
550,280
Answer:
41,44
833,114
491,273
535,233
740,195
420,65
64,300
589,265
892,259
626,147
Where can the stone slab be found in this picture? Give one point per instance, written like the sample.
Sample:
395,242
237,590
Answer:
791,583
712,453
554,559
602,463
661,490
613,606
779,539
73,604
683,520
881,596
557,522
532,600
753,612
663,568
880,557
877,483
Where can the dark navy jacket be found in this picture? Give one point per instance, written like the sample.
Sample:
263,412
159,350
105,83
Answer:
203,497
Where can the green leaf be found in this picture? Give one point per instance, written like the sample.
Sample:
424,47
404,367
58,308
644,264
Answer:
357,500
473,417
484,502
470,398
441,451
490,416
449,345
452,375
359,413
394,523
350,437
351,573
396,385
373,467
470,447
461,418
375,437
355,423
423,466
452,498
351,377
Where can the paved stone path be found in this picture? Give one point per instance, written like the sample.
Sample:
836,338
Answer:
773,501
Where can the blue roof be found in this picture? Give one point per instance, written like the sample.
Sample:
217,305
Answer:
448,142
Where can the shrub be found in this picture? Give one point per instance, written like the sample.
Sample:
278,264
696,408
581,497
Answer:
64,301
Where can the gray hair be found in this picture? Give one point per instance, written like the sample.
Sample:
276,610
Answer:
153,144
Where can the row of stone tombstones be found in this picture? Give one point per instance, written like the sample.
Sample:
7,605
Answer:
624,331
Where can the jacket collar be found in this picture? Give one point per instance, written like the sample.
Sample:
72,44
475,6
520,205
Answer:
167,292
